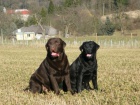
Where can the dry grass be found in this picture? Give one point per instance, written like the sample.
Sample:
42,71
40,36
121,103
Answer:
118,77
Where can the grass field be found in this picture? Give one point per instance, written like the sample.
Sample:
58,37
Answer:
118,77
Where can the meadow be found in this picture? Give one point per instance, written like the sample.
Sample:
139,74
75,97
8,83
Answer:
118,77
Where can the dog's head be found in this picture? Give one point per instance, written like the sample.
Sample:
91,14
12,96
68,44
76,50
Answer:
55,46
89,49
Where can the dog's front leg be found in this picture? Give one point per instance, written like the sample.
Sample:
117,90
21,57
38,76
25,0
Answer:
68,84
54,84
79,82
94,81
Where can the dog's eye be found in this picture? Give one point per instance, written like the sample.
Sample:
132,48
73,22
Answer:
50,43
57,43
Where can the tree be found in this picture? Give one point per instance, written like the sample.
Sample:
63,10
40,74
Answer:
109,27
117,3
51,8
31,21
124,2
1,9
68,3
43,12
43,16
24,4
13,26
19,23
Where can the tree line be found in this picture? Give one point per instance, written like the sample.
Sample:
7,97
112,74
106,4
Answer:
74,17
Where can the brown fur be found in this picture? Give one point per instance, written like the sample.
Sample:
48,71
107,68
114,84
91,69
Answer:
53,71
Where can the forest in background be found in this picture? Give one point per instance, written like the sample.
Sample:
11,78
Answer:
74,17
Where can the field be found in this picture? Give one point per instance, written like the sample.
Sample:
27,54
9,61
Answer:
118,77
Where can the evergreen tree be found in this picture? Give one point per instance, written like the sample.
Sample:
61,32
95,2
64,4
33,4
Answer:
109,27
51,7
116,4
125,2
19,23
121,2
68,3
31,21
43,12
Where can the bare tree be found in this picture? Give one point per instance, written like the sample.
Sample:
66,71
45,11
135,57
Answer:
39,23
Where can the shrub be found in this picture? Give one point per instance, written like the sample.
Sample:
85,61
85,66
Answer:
107,28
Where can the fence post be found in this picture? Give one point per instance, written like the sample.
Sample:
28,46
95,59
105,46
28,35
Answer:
96,37
131,35
1,36
132,43
13,40
135,43
123,43
111,42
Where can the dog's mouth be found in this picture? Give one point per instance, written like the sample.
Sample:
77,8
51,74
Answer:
88,55
54,54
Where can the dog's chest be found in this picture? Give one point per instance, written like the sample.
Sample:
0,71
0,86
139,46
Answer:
87,71
88,74
88,67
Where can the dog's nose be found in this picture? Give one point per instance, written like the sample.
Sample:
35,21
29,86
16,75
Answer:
52,48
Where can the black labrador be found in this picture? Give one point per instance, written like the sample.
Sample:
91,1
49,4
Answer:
84,68
53,71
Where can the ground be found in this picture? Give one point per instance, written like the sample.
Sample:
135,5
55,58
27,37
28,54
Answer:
118,77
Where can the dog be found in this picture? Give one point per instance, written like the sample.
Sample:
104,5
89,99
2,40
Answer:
53,71
84,68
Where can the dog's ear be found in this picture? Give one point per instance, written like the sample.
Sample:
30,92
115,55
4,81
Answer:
81,47
64,44
97,46
47,44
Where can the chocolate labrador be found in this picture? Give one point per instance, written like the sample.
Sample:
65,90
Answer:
84,68
53,71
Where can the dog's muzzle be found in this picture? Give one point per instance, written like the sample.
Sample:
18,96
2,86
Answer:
55,54
88,55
